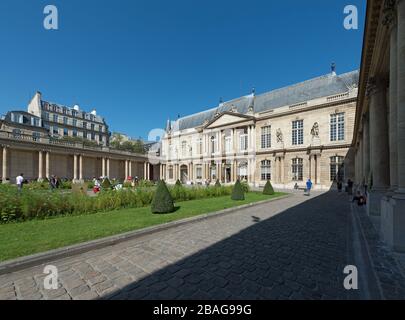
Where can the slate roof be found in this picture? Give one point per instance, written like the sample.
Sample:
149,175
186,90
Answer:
327,85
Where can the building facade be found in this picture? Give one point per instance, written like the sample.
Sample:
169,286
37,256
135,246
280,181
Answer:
286,136
62,121
379,139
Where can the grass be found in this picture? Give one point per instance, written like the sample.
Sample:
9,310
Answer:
26,238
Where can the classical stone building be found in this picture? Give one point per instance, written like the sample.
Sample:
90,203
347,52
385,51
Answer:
286,136
63,121
379,139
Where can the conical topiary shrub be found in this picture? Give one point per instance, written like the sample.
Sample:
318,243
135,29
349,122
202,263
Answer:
178,183
237,192
217,184
268,189
106,184
162,200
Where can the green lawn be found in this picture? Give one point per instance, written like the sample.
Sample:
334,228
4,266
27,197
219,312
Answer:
25,238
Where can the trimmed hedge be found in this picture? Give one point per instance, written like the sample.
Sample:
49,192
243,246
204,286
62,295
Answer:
162,201
268,189
237,193
43,204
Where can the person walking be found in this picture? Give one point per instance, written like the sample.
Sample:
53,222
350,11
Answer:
20,182
309,187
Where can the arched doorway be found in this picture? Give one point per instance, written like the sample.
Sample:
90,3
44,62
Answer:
183,174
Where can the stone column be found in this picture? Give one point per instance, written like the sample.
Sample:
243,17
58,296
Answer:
249,138
312,166
361,155
108,167
40,166
47,155
145,171
126,170
103,167
75,168
379,146
366,149
318,169
81,168
393,217
282,163
401,97
4,175
130,167
390,21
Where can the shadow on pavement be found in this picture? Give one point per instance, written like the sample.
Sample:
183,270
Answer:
299,254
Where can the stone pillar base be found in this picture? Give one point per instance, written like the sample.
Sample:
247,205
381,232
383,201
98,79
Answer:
78,181
393,222
6,181
374,202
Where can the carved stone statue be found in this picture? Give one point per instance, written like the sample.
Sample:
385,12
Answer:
279,136
315,130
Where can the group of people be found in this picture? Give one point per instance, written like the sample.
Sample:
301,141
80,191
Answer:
54,182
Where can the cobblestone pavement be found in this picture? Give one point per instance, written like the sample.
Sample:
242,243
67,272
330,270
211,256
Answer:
293,248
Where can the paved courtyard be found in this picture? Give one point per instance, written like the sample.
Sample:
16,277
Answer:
293,248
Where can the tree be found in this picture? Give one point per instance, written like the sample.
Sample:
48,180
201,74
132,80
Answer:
162,200
217,184
268,189
178,183
237,192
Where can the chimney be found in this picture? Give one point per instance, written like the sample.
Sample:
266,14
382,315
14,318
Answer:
333,68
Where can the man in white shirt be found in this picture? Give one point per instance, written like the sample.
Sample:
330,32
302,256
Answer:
20,181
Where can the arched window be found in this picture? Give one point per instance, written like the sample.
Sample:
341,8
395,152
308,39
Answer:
337,168
265,170
297,169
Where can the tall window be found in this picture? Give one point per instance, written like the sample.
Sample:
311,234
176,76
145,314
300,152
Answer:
46,115
199,146
297,169
55,118
36,136
55,130
337,127
244,141
170,172
65,132
243,171
298,132
228,144
74,122
75,132
337,172
213,169
184,148
65,120
213,144
266,137
265,170
198,172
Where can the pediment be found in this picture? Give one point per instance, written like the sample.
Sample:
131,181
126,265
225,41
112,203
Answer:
227,118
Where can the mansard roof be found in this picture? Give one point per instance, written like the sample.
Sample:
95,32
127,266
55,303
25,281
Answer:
319,87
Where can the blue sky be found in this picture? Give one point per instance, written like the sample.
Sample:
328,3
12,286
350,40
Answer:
141,62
